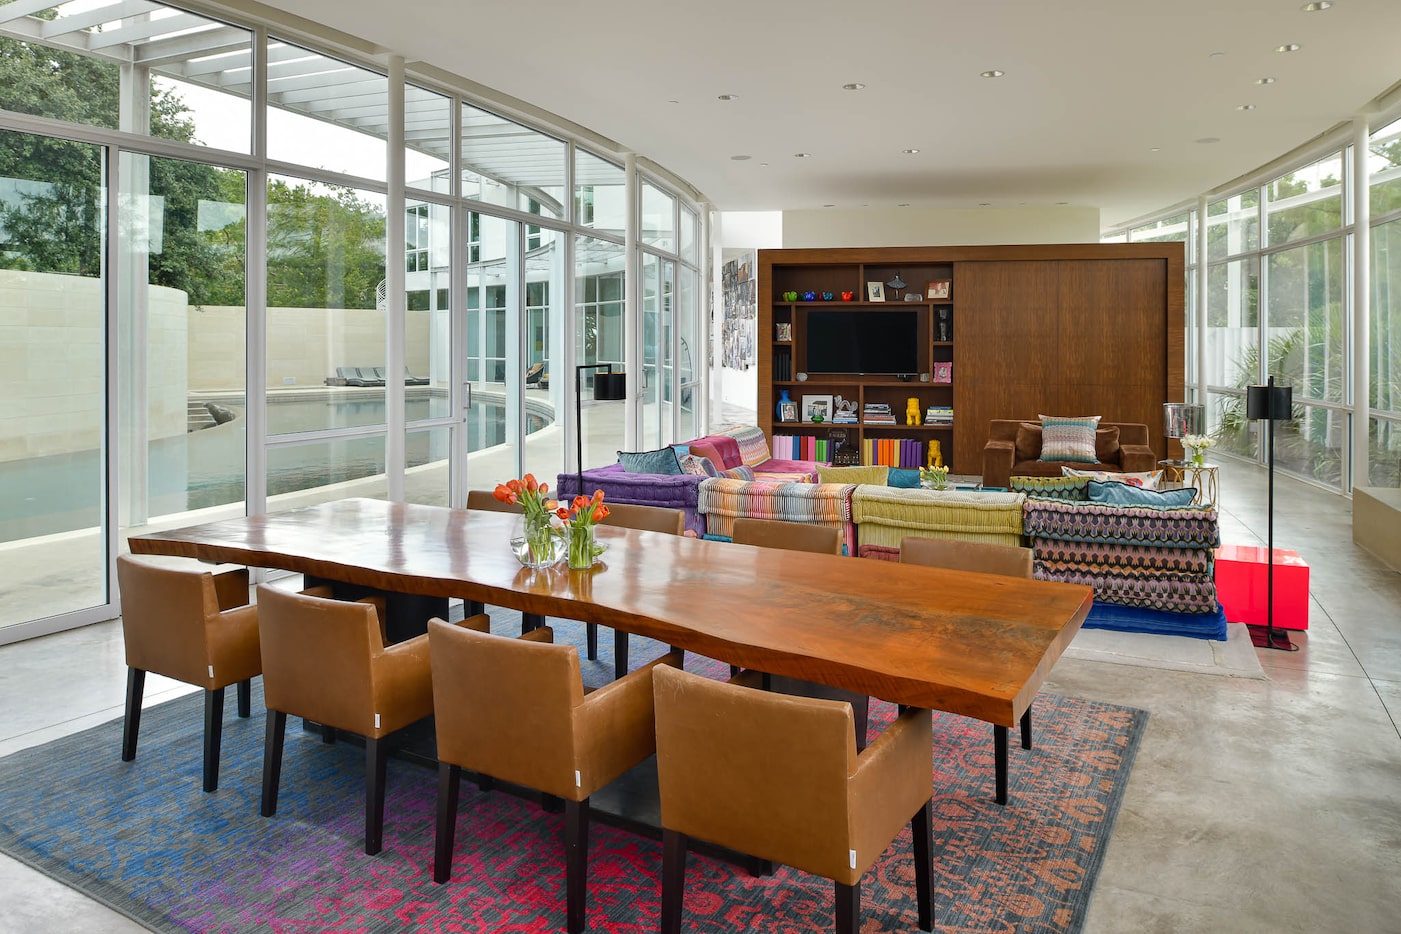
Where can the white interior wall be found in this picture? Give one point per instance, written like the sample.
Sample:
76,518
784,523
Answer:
833,227
735,232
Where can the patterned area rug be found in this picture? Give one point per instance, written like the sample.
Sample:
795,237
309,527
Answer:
142,838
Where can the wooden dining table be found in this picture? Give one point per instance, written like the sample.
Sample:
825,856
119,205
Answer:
973,644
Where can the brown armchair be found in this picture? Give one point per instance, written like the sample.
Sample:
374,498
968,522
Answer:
793,536
1013,449
517,710
984,558
192,626
325,660
779,777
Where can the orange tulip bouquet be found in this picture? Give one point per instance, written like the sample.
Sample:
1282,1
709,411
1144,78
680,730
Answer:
535,543
579,519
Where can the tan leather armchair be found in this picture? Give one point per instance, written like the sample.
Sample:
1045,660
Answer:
646,519
325,660
516,710
794,536
779,777
192,626
984,558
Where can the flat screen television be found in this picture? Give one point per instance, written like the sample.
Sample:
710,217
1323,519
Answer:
866,341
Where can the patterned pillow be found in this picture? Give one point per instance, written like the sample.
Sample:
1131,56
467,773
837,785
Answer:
1122,494
1070,489
742,472
660,461
698,466
1148,479
875,474
1068,439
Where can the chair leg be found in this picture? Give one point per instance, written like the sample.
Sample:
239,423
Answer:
446,829
576,863
999,761
213,734
673,879
131,726
591,641
848,908
472,608
620,653
376,758
531,621
272,761
245,699
922,829
1026,729
328,734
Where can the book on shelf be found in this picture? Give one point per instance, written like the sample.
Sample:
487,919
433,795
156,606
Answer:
801,448
893,452
939,415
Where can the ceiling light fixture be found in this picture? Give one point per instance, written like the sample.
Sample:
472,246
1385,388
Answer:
984,204
1318,6
829,205
1156,149
673,102
993,73
801,155
1209,139
1246,107
903,204
727,97
909,152
1288,47
1266,80
853,86
741,158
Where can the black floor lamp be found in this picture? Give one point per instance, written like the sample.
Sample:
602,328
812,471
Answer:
1271,403
607,387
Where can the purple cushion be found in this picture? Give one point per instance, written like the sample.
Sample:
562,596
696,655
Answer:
674,491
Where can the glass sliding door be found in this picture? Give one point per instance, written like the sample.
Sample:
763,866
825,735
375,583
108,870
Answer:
428,359
599,338
542,366
493,320
54,458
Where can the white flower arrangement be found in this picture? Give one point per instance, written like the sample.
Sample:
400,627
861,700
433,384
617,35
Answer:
1200,442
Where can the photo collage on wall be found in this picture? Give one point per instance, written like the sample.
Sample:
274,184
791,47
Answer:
740,328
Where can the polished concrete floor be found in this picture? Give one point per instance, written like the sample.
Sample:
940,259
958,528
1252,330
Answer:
1262,806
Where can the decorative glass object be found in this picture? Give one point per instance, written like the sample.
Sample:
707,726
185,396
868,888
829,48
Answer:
534,542
581,550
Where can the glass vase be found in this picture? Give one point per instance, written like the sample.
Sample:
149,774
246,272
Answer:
581,551
534,543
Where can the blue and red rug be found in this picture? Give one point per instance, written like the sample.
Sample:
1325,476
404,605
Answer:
143,838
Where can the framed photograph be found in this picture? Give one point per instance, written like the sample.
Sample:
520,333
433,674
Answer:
817,408
785,331
875,291
943,372
788,411
939,290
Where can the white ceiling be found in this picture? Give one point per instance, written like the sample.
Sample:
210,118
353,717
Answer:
1092,88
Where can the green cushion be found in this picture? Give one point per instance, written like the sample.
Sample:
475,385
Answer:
661,461
875,474
903,478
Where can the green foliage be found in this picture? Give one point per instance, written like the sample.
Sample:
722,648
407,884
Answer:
324,250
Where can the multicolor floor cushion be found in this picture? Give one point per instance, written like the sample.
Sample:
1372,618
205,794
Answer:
884,515
1157,622
721,500
1152,559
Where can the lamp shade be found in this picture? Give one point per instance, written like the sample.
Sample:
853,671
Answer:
1272,402
1183,418
609,387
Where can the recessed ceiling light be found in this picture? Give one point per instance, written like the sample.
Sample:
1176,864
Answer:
1318,6
741,158
726,97
1156,149
763,164
1288,47
1266,80
829,205
1209,139
984,204
801,155
1216,56
673,102
1246,107
903,204
994,73
853,86
1062,203
909,152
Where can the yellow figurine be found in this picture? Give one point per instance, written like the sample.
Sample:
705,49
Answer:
936,456
912,411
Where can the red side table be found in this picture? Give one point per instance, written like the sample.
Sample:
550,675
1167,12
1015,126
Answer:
1241,586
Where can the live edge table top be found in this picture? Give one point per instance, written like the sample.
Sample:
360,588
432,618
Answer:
973,644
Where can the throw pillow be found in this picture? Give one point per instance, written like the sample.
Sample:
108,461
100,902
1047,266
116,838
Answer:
902,478
1121,494
1070,489
697,466
875,474
742,472
1068,439
1148,479
660,461
1107,445
1028,445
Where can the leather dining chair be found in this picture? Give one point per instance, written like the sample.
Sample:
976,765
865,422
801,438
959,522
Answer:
779,777
486,501
325,660
517,710
794,536
192,626
984,558
645,519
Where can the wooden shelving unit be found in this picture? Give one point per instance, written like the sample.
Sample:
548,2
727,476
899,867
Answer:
1060,329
